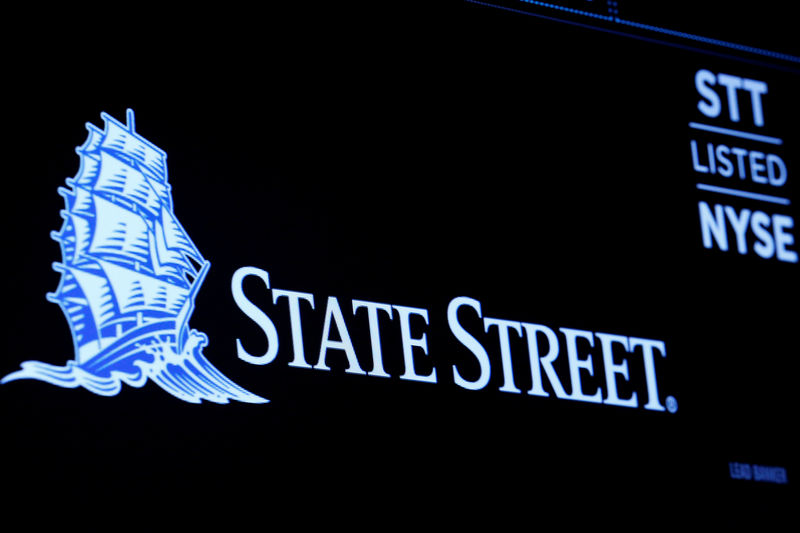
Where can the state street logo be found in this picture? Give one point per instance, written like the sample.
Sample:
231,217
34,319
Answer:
129,278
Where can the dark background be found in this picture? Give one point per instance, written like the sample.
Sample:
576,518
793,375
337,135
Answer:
406,156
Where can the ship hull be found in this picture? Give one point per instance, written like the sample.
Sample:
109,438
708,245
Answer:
139,344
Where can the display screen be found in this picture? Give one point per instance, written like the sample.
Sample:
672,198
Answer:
478,264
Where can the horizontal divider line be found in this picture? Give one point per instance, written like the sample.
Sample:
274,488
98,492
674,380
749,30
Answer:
736,133
744,194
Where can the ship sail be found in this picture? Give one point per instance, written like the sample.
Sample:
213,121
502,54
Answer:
79,200
76,238
121,141
176,237
119,233
137,292
126,182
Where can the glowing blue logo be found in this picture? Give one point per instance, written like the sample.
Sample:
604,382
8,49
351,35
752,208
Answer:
129,278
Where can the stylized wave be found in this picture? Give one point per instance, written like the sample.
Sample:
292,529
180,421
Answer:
72,376
188,375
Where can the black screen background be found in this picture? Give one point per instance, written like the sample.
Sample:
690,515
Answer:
403,156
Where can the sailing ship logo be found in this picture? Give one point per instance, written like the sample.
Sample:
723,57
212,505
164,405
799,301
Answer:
129,277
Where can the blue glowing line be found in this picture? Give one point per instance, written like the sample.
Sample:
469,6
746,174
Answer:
736,133
568,9
648,27
744,194
708,40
